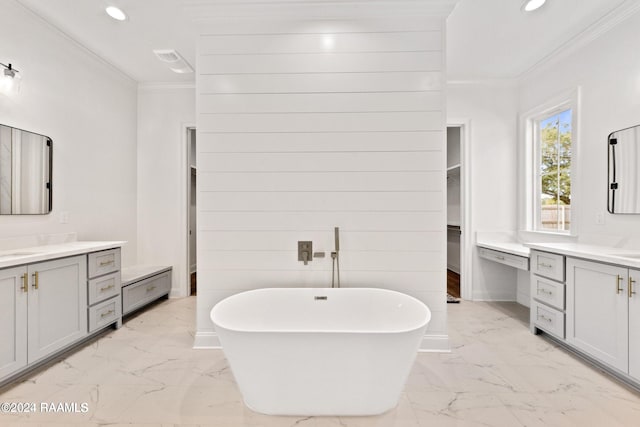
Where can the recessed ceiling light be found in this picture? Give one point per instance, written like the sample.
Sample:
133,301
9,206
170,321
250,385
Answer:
116,13
531,5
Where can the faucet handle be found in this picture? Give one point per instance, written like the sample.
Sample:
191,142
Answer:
305,249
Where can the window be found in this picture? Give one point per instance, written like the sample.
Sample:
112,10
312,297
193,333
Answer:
548,201
553,142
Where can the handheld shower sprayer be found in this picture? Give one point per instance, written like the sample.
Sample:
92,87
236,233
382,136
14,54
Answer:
335,256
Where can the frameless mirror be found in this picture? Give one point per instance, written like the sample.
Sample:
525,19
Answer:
25,172
624,178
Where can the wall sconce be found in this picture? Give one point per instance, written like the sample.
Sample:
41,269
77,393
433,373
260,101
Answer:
9,79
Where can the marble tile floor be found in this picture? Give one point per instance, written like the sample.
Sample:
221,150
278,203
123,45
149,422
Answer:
497,374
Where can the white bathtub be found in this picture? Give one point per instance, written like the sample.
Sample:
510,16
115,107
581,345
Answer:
320,351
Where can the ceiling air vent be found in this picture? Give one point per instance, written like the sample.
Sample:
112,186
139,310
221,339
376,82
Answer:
176,63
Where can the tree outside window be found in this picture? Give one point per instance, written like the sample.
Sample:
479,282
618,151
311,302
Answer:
554,203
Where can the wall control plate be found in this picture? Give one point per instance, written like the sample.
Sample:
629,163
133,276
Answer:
305,246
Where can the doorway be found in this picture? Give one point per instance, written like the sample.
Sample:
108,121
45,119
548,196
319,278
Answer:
454,213
191,210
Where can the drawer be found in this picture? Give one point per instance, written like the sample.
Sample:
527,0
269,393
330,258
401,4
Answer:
504,258
104,262
548,265
104,314
548,319
140,293
547,291
104,287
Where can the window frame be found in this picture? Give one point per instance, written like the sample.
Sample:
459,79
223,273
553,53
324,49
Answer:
530,202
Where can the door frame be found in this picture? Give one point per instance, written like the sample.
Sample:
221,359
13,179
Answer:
185,169
466,237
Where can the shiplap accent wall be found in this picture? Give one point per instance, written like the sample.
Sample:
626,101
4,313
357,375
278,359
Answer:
307,124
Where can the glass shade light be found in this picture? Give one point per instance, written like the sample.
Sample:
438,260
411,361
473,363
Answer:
9,79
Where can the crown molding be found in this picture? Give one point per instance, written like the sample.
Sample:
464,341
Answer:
155,86
588,35
126,77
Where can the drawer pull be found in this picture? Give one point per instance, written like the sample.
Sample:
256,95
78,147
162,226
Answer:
105,263
150,288
106,288
618,281
543,265
500,257
545,292
25,283
107,313
631,282
543,317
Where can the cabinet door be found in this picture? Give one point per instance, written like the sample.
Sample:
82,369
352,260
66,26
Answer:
597,311
13,320
57,305
634,323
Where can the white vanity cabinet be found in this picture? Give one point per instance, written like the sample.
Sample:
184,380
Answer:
105,306
49,301
57,305
601,305
42,310
13,320
634,322
598,311
547,307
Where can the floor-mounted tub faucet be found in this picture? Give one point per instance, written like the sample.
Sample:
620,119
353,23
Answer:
335,256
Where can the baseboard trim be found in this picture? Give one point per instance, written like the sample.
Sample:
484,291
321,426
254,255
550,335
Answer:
206,340
435,344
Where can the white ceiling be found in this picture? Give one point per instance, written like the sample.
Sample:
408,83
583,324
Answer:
486,39
493,39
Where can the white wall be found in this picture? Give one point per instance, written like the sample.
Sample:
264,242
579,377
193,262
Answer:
491,109
308,124
163,113
608,72
89,110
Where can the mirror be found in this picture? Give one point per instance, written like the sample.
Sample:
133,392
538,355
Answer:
624,176
25,172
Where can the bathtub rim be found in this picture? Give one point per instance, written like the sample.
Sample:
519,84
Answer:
422,325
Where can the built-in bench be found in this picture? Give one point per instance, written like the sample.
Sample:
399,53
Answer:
142,285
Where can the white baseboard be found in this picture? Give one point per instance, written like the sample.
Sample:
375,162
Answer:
454,268
206,340
177,293
435,344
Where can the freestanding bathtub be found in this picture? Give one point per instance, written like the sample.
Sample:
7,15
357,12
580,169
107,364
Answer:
320,351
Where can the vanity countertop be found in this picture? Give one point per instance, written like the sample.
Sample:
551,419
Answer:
625,257
514,248
28,255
